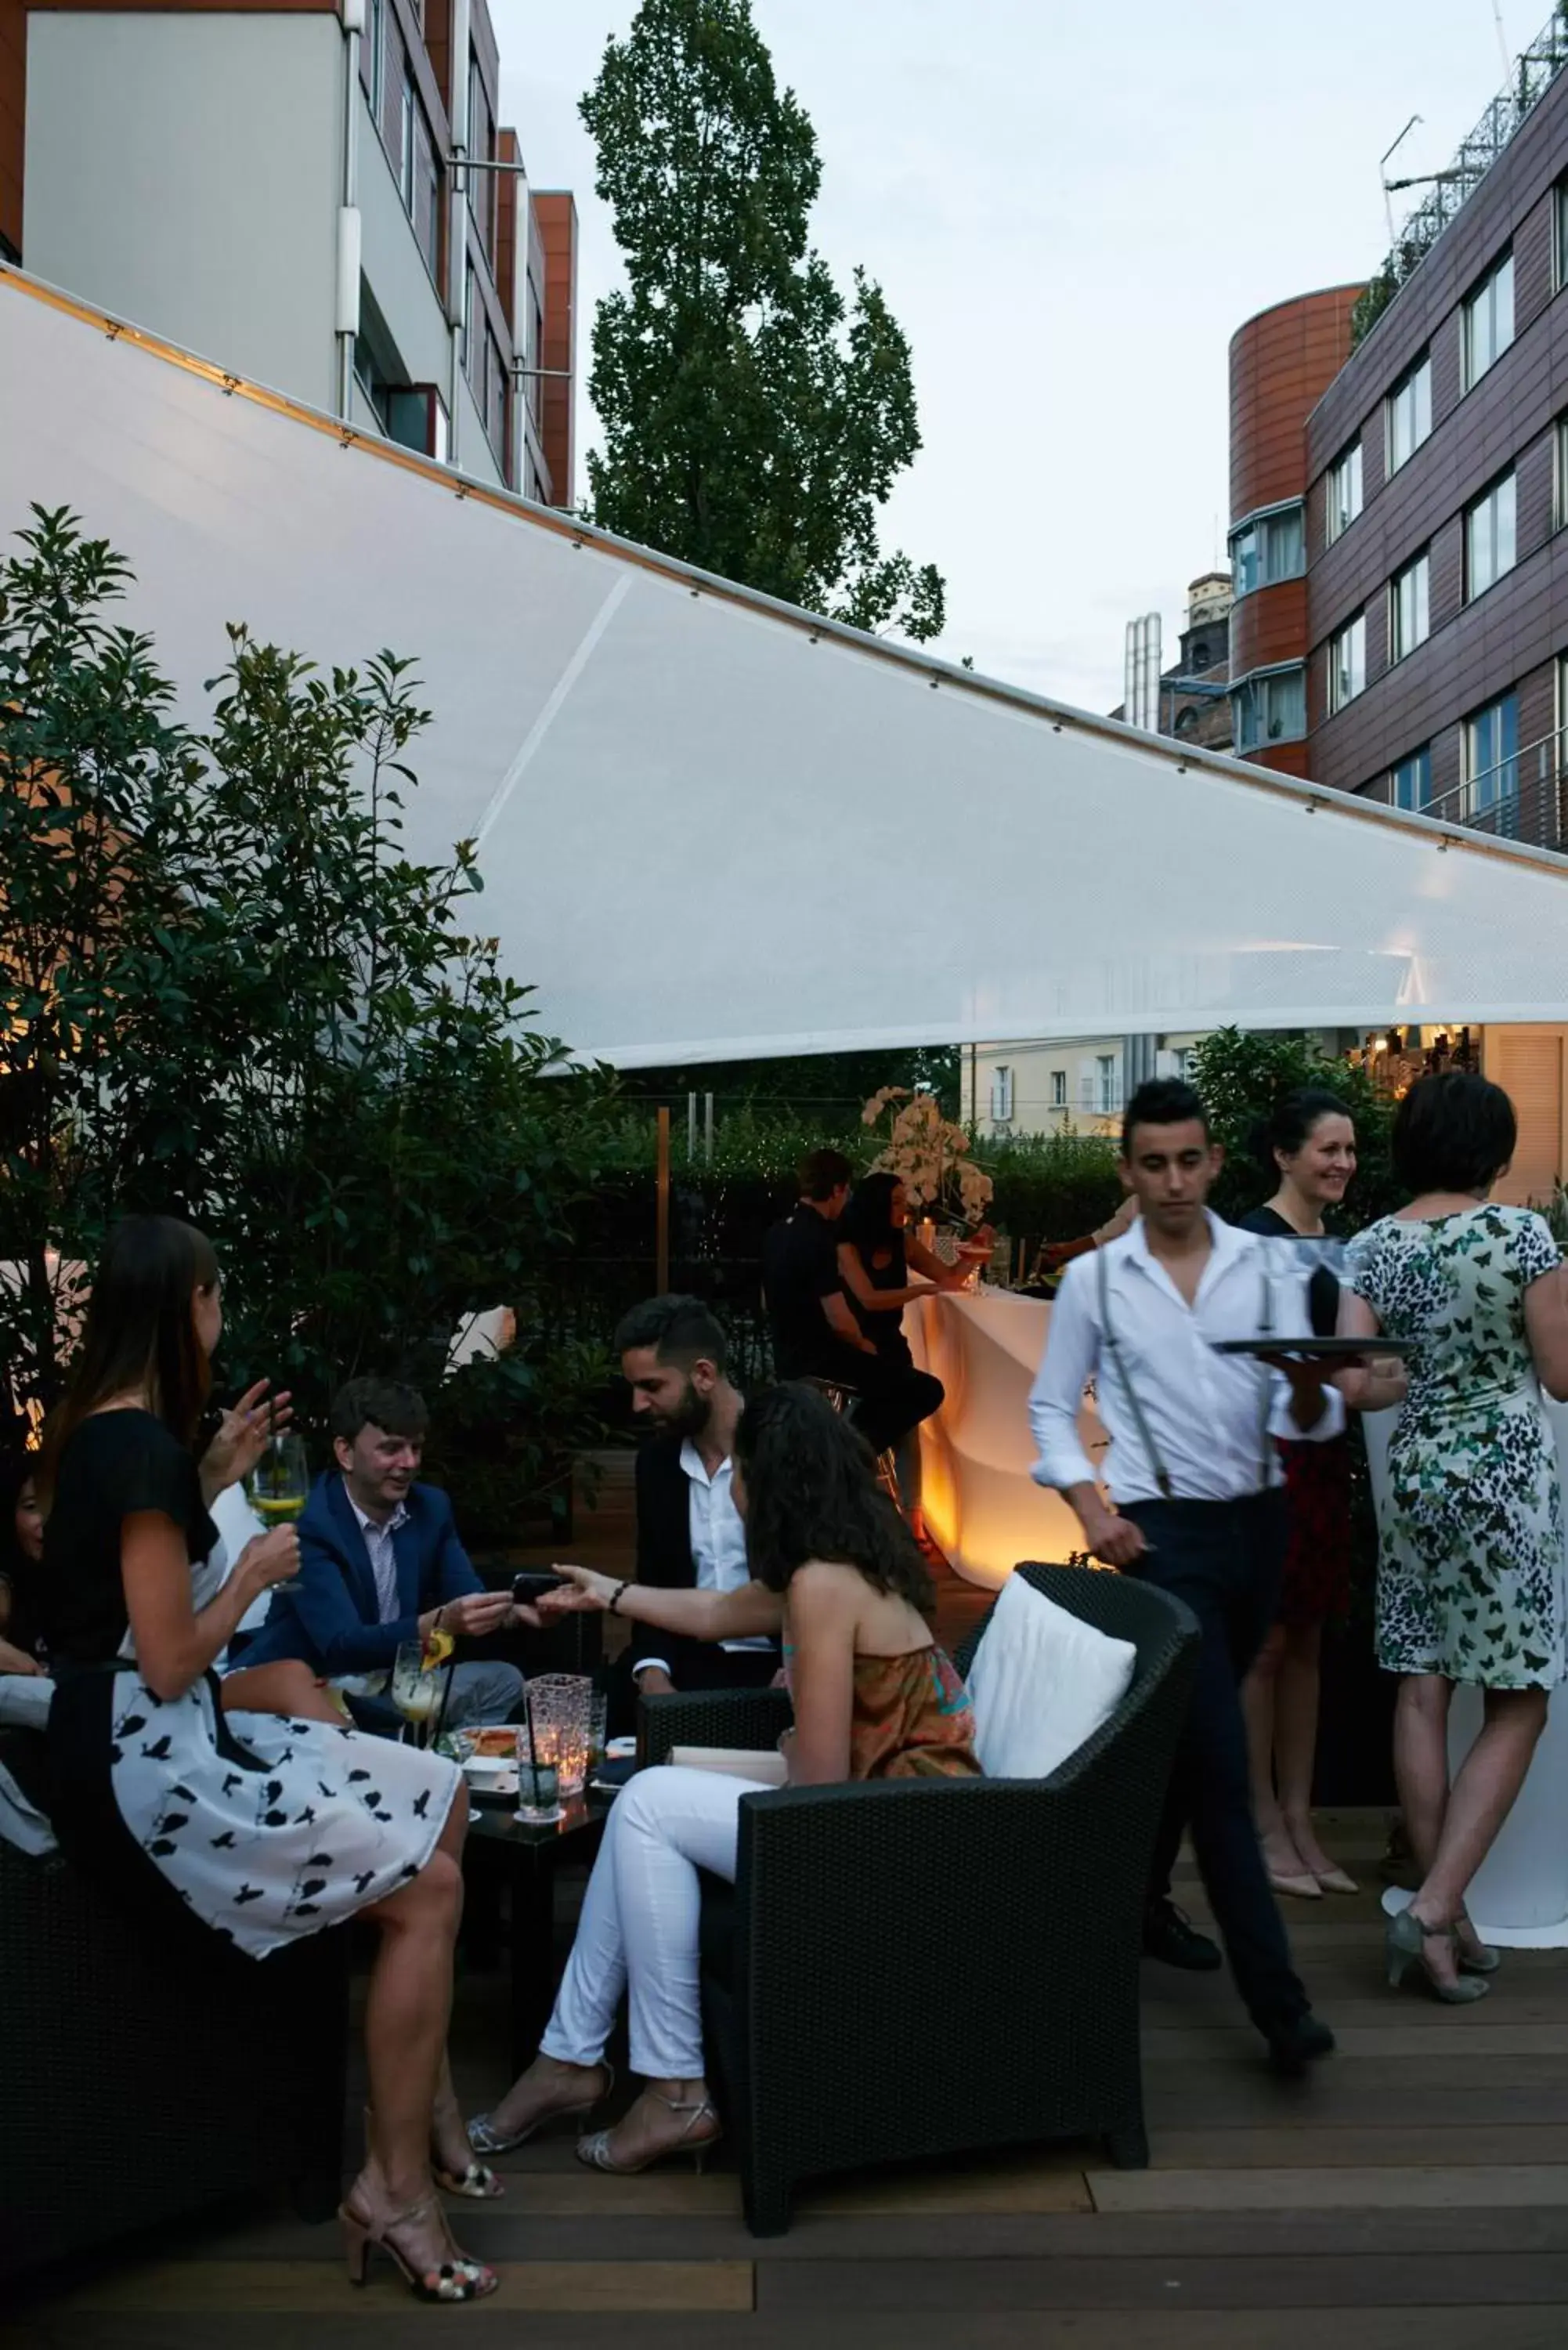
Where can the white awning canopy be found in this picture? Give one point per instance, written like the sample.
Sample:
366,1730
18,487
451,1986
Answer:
711,827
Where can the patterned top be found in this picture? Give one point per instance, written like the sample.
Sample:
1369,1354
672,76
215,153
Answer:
1470,1567
912,1718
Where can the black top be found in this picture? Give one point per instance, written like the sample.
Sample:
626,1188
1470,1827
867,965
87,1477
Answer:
800,1268
1270,1220
887,1267
114,1463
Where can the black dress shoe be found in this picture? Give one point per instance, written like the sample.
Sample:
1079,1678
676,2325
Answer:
1294,2045
1171,1935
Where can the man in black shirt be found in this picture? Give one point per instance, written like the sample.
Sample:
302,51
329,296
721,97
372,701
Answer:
815,1335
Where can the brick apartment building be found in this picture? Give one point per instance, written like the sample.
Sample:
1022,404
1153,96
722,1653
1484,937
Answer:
290,188
1400,628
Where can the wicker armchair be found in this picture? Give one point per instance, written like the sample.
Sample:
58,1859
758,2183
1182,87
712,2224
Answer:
911,1967
149,2076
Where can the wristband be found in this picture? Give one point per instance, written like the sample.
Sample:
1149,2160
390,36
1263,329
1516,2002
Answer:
614,1608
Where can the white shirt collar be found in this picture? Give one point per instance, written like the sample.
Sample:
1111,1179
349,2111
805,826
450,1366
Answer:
371,1526
1227,1243
691,1461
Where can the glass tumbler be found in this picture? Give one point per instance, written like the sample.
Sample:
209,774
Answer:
558,1710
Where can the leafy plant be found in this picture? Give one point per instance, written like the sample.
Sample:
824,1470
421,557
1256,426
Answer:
754,420
230,993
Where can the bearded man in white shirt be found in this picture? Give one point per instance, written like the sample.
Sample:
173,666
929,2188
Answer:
1199,1501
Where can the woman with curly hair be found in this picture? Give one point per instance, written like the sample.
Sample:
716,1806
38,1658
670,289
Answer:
835,1569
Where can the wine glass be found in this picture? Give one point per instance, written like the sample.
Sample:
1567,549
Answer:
418,1686
280,1481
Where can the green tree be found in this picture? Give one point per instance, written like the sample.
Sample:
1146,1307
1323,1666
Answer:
1243,1074
754,421
227,990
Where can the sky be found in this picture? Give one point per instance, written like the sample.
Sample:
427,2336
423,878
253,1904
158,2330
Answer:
1071,206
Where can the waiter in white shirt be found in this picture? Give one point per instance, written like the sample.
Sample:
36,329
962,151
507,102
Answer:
1199,1501
689,1535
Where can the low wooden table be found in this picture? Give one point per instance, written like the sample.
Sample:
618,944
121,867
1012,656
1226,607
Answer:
532,1854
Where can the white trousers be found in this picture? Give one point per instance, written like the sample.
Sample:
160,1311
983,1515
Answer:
638,1931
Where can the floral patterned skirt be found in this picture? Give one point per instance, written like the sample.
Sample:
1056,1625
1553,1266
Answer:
263,1828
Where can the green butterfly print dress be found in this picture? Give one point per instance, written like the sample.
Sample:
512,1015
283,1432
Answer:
1471,1561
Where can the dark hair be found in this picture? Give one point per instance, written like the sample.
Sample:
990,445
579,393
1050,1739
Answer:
388,1404
812,1492
1290,1123
16,1569
679,1329
141,1333
822,1172
1455,1132
1161,1101
868,1221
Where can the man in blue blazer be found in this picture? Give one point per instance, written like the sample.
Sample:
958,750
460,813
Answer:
380,1564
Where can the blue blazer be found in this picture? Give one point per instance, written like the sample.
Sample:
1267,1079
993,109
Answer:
328,1617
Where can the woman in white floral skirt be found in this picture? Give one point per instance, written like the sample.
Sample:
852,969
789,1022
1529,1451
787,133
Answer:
264,1827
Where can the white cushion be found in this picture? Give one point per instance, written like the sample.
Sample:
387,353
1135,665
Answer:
1041,1683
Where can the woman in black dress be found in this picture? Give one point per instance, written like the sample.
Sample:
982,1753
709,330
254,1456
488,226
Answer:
875,1256
1309,1148
264,1827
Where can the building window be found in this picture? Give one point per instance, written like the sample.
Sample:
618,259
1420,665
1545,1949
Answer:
1409,412
1105,1082
1347,662
1270,708
1560,474
1489,538
1000,1096
1269,548
1344,491
1486,322
405,132
1058,1089
482,185
1560,236
1409,607
1491,756
1410,783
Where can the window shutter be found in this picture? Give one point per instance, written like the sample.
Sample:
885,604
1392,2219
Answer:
1527,1063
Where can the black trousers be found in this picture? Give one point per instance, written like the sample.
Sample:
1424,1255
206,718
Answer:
693,1665
894,1396
1225,1559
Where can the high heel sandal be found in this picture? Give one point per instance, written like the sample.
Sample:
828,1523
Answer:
455,2280
483,2139
1406,1941
476,2182
595,2150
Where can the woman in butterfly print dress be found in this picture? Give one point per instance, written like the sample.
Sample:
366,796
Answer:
264,1827
1470,1562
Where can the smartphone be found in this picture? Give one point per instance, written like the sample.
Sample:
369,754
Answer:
527,1589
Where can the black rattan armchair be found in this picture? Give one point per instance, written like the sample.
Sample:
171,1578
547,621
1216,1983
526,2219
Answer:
149,2076
912,1968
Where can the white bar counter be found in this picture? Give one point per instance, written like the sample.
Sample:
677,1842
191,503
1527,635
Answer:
985,1508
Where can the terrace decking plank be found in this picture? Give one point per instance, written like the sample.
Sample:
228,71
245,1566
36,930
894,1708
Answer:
489,2327
1515,2186
802,2288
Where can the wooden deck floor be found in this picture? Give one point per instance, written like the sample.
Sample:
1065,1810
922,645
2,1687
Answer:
1412,2195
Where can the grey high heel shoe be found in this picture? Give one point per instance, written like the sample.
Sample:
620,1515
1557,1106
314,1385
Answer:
1406,1941
1483,1960
595,2150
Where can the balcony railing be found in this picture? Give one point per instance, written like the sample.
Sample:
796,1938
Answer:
1523,797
